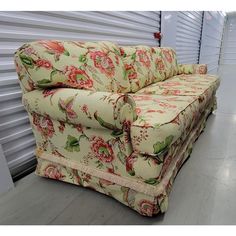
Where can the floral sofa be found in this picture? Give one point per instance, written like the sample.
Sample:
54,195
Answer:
118,119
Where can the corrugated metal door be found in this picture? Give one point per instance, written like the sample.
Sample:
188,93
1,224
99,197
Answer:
17,28
188,36
228,52
213,25
182,30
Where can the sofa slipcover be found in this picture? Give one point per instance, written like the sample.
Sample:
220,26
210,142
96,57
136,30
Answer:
118,119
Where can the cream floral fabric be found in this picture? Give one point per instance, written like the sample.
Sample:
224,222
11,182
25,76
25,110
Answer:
144,204
183,85
118,119
192,69
147,204
90,66
101,110
145,65
78,128
161,121
140,67
166,62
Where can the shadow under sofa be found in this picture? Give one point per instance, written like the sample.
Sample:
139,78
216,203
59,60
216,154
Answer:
118,119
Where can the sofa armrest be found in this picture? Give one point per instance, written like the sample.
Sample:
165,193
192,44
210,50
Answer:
192,69
102,110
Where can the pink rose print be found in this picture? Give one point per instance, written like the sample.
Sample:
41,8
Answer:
117,60
167,55
160,64
29,51
129,165
53,46
142,97
202,69
79,127
66,107
132,74
102,149
103,63
159,111
146,207
51,171
49,92
171,92
61,127
44,63
122,52
84,109
44,125
78,78
143,57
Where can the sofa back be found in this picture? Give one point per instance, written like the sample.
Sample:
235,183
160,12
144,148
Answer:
95,66
91,66
145,65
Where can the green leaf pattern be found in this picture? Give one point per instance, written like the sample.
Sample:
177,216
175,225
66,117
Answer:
161,146
72,144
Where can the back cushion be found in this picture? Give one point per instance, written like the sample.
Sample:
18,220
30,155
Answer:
166,62
91,66
139,66
145,65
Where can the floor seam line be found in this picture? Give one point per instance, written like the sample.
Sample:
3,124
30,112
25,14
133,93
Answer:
50,222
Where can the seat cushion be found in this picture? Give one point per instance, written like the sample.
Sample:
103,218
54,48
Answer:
202,86
190,85
161,121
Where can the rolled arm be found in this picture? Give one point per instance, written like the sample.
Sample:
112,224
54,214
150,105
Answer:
192,69
102,110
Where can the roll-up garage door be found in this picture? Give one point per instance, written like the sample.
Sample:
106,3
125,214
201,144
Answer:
16,28
212,32
228,52
188,36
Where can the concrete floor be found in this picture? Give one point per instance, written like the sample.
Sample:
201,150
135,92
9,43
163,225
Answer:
204,191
